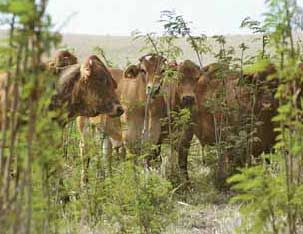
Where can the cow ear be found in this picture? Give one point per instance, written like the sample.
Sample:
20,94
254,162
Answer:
74,60
131,72
197,73
212,69
91,62
206,68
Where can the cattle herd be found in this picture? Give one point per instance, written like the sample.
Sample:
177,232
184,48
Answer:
130,105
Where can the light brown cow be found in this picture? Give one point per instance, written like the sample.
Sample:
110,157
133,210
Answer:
237,96
146,79
133,98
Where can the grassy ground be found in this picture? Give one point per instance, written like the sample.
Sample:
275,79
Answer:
201,210
206,219
204,210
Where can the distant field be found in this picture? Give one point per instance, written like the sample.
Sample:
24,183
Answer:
122,49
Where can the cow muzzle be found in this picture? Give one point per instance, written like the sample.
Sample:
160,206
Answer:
117,111
153,90
188,101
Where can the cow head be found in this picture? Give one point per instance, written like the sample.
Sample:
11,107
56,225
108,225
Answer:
62,59
134,72
65,58
154,67
266,87
189,75
87,90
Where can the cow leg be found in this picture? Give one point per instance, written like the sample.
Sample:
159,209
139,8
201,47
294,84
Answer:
223,170
153,158
183,149
119,149
132,133
156,153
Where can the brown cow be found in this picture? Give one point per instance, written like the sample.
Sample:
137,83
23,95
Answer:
237,96
10,91
133,98
111,125
92,72
62,59
190,73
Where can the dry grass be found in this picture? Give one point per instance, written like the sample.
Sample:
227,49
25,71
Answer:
211,219
121,50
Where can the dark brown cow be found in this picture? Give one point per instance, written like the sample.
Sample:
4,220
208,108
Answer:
110,126
237,97
86,90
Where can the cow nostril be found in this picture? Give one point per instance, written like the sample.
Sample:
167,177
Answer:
157,89
120,110
153,90
148,89
188,100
